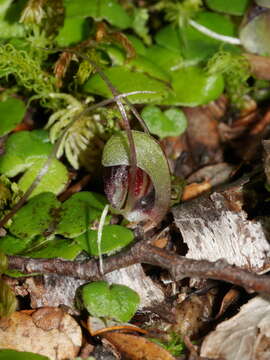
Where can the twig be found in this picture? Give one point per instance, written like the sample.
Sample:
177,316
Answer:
179,267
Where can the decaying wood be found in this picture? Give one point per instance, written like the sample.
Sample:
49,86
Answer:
55,290
216,227
134,277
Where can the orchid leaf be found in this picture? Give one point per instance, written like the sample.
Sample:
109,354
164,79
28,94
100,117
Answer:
191,43
56,248
235,7
77,214
75,30
7,354
12,245
12,112
171,122
42,210
114,238
18,157
109,10
166,59
110,301
137,44
9,19
127,81
48,216
193,86
55,179
151,160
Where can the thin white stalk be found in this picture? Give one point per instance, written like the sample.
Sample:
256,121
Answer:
99,236
204,30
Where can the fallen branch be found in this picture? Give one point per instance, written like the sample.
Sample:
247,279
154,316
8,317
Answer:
142,252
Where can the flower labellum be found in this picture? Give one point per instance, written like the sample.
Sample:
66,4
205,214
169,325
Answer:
147,196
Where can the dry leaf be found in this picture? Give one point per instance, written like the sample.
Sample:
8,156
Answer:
134,347
49,332
246,336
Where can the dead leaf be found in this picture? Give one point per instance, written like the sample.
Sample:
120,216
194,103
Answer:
49,332
246,336
191,314
134,347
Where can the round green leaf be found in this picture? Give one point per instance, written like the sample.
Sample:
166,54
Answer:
114,238
193,87
12,245
20,355
168,37
11,112
172,122
235,7
114,302
97,298
109,10
196,46
22,149
75,30
35,217
57,248
125,302
125,81
142,64
166,59
76,217
55,180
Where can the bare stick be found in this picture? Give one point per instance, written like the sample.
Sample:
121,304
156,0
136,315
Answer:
179,267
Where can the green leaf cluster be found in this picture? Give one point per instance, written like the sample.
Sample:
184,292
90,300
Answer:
30,159
53,224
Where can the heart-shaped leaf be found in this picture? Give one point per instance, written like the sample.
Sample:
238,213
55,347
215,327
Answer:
109,10
55,179
35,217
235,7
151,159
56,248
193,86
49,217
12,112
77,214
125,81
12,245
171,122
114,302
18,157
20,355
114,238
75,30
